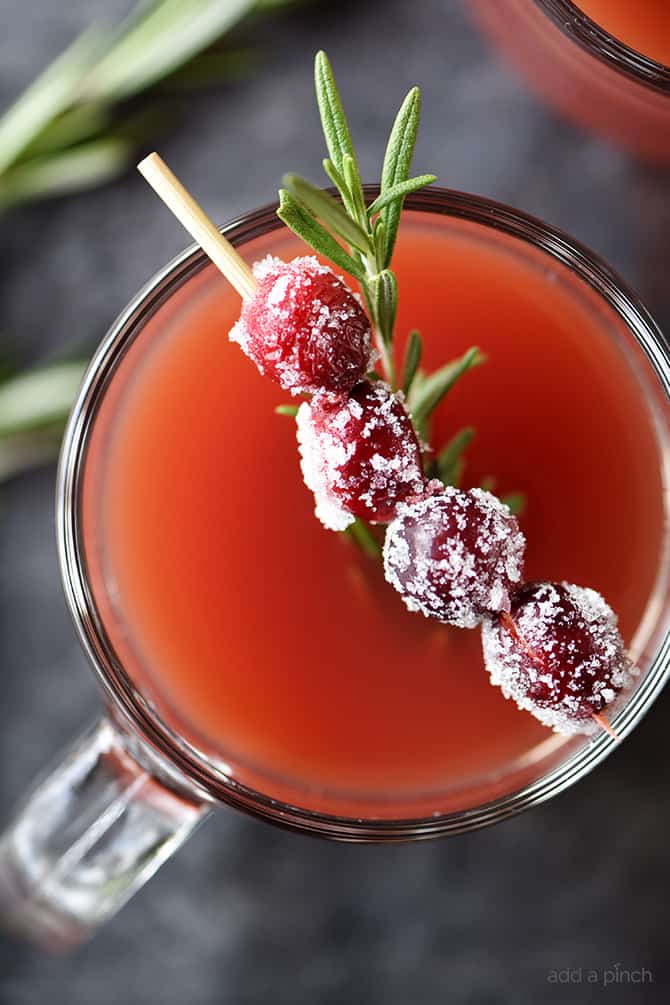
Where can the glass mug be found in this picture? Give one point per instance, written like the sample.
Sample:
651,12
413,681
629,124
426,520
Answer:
591,77
131,791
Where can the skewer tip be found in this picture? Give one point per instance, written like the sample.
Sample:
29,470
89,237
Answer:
601,721
147,161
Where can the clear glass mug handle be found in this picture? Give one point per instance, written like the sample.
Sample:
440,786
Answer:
91,834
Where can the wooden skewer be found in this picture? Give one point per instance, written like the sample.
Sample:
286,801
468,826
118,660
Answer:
168,187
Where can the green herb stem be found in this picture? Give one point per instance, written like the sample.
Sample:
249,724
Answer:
360,532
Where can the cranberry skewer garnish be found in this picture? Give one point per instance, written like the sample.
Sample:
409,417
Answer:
455,556
359,455
559,655
452,555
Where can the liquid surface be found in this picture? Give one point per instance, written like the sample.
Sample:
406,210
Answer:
643,25
269,639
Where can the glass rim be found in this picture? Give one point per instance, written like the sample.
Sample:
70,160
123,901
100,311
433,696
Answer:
173,756
578,26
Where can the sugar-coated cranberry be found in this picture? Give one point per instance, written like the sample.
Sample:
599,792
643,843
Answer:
558,654
359,455
455,555
304,328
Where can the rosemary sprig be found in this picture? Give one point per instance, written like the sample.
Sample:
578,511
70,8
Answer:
75,127
369,232
360,239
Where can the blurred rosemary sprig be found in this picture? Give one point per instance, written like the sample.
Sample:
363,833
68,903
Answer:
33,409
78,126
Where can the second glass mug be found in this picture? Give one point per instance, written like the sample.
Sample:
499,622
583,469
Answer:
132,790
591,77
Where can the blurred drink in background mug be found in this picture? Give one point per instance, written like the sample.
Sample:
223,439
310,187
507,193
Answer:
603,63
247,656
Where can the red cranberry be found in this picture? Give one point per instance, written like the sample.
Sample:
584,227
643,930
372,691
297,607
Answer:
304,328
558,654
359,456
454,555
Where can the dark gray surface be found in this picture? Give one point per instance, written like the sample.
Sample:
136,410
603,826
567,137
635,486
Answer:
248,914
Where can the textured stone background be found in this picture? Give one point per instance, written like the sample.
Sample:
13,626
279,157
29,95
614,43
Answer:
245,913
